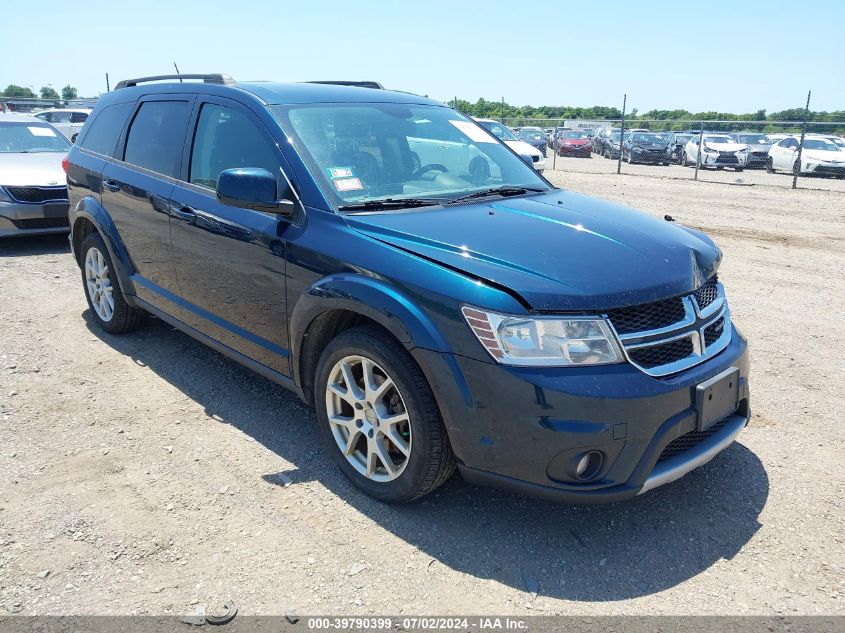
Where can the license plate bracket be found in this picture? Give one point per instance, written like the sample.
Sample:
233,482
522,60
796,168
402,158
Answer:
717,398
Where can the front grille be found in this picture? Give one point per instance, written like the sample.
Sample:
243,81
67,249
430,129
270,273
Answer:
37,195
727,157
647,316
42,223
713,331
760,154
662,354
708,292
689,440
675,334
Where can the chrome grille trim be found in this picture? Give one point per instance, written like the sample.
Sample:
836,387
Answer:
693,326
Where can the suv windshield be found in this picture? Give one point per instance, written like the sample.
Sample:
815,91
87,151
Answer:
31,138
500,131
532,135
363,152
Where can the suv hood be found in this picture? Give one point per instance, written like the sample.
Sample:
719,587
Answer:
38,169
556,251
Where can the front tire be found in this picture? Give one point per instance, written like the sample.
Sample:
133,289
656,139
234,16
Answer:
379,419
770,166
102,291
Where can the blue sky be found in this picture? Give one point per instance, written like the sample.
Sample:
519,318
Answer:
714,55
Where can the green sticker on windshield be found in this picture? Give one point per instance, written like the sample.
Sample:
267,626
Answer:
340,172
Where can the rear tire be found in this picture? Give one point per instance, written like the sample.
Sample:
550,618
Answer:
102,290
418,448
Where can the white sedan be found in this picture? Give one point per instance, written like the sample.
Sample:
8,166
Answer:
504,134
720,150
819,156
68,121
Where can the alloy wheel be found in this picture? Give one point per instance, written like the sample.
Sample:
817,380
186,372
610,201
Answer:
368,418
98,284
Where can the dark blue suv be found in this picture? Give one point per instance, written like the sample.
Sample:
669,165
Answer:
407,274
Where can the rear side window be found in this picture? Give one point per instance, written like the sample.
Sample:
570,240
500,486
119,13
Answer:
155,137
104,131
225,139
78,117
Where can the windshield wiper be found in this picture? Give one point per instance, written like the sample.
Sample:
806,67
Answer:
390,203
496,191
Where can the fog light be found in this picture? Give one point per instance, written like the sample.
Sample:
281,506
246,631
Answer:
588,465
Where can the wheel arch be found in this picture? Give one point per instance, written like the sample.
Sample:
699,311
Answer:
90,216
339,302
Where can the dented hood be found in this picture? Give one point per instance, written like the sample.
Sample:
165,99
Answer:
556,251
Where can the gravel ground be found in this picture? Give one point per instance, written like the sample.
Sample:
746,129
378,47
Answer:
146,474
599,165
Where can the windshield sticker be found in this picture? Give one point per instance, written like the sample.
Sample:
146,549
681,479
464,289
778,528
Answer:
340,172
41,131
475,133
348,184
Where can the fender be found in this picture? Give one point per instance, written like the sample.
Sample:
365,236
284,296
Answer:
370,297
90,209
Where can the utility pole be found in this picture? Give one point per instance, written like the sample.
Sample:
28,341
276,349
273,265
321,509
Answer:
795,172
621,133
108,88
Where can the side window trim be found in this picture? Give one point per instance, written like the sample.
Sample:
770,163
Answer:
187,149
120,150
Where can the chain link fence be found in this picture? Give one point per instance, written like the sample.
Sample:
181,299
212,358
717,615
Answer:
796,154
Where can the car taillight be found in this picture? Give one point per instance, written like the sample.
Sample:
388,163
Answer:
64,163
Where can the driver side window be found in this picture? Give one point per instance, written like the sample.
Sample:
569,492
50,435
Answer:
226,139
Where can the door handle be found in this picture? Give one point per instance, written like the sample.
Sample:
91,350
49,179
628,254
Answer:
111,185
183,212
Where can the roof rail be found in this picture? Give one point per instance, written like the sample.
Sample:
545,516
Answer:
214,78
360,84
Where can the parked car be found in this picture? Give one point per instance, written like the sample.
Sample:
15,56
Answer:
534,137
677,141
67,121
606,142
553,137
573,143
33,193
758,148
646,147
537,339
720,151
819,157
522,148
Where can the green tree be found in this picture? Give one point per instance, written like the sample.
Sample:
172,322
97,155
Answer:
69,92
48,93
17,91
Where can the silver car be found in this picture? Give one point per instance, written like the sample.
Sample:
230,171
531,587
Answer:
33,189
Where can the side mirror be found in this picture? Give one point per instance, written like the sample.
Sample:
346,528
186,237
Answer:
251,188
526,158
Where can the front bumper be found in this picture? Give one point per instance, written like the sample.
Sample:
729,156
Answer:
19,218
520,428
650,157
582,150
824,169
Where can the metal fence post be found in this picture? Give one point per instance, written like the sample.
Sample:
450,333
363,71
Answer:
795,172
621,133
698,154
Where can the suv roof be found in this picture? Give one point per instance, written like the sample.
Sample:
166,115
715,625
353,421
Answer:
269,93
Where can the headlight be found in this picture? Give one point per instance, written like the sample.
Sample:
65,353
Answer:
555,342
4,196
710,149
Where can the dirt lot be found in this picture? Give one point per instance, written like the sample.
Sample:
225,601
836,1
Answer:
599,165
141,474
